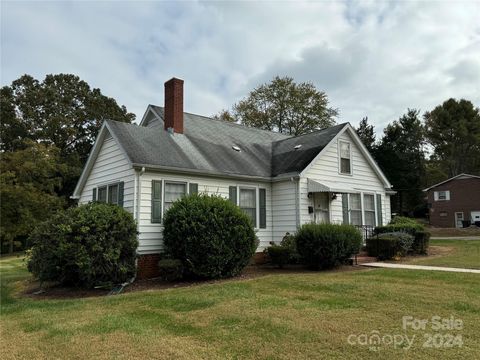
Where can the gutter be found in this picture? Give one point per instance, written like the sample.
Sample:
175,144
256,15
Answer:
178,170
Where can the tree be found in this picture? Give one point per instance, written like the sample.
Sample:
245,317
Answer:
400,154
284,106
29,180
453,130
366,134
224,115
61,111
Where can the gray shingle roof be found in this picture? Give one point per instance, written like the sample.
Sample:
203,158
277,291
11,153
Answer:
206,146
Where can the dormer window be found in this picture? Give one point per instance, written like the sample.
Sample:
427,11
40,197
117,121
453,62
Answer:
345,158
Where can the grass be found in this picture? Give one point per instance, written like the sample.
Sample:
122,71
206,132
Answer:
458,253
284,316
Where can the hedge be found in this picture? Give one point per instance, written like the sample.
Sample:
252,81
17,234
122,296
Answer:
389,245
322,246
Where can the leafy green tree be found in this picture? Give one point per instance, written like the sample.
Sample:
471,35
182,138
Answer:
366,133
284,106
453,130
400,154
224,115
62,111
29,180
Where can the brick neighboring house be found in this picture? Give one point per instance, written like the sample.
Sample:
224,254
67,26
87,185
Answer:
454,200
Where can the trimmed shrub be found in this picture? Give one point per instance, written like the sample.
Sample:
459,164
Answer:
290,243
212,237
88,245
170,269
409,226
389,245
279,255
421,242
323,246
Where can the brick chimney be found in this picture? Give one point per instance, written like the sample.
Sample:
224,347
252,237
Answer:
173,117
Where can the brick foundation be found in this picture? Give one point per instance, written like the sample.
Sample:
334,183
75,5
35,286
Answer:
259,258
147,266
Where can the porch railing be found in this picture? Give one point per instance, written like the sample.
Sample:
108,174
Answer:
366,231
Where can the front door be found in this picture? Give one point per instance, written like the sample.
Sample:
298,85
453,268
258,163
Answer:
321,201
458,219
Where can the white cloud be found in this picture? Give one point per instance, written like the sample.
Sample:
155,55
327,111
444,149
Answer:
372,58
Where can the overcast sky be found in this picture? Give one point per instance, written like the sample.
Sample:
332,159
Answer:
373,59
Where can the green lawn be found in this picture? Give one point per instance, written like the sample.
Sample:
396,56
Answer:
458,253
285,316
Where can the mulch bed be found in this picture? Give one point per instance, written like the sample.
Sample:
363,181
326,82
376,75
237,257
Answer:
251,272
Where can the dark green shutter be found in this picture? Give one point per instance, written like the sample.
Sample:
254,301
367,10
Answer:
345,208
94,194
263,208
379,210
120,194
156,201
193,188
232,194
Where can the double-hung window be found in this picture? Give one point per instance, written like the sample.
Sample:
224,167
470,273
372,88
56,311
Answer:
111,193
345,158
250,200
369,209
173,192
165,193
102,194
248,203
355,209
442,195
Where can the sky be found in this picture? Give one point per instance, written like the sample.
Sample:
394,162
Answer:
374,59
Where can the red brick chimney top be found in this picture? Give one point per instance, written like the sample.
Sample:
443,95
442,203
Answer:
173,116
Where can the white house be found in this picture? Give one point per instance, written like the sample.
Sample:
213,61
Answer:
280,181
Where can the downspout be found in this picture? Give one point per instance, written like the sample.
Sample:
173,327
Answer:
137,210
297,200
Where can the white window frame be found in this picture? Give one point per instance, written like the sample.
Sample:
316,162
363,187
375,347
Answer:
362,206
164,185
350,208
107,189
340,157
171,180
446,193
257,201
375,223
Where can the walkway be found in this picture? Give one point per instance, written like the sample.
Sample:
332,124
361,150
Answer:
419,267
455,238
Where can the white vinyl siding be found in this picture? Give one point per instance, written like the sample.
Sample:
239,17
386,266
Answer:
283,209
110,167
363,179
150,237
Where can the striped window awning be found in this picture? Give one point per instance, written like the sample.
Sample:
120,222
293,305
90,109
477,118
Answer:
315,186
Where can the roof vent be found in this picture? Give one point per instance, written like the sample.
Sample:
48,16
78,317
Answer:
298,146
236,148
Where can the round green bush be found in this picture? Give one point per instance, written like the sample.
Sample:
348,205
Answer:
323,246
211,236
88,245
